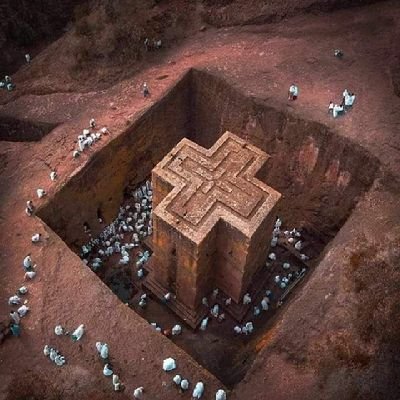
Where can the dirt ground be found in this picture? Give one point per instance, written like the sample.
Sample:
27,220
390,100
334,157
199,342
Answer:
337,337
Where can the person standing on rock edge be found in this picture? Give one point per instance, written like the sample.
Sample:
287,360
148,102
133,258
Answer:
29,208
146,92
147,44
293,92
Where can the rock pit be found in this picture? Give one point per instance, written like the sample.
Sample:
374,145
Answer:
320,175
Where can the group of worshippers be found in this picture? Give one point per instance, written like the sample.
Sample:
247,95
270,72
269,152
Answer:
154,44
290,274
18,311
103,352
7,83
347,102
16,300
133,224
334,109
101,348
88,137
183,384
217,313
54,354
108,369
125,233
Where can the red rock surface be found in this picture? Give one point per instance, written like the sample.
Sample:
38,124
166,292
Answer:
335,339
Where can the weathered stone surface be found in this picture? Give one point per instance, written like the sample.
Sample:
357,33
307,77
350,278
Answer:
212,218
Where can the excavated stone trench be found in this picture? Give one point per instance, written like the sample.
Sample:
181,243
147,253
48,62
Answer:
17,130
320,174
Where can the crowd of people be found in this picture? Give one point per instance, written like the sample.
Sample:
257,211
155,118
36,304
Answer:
334,109
134,223
347,102
150,45
7,83
18,300
88,137
124,234
183,384
290,275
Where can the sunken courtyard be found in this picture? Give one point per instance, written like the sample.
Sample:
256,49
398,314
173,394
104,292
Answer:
200,200
306,176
